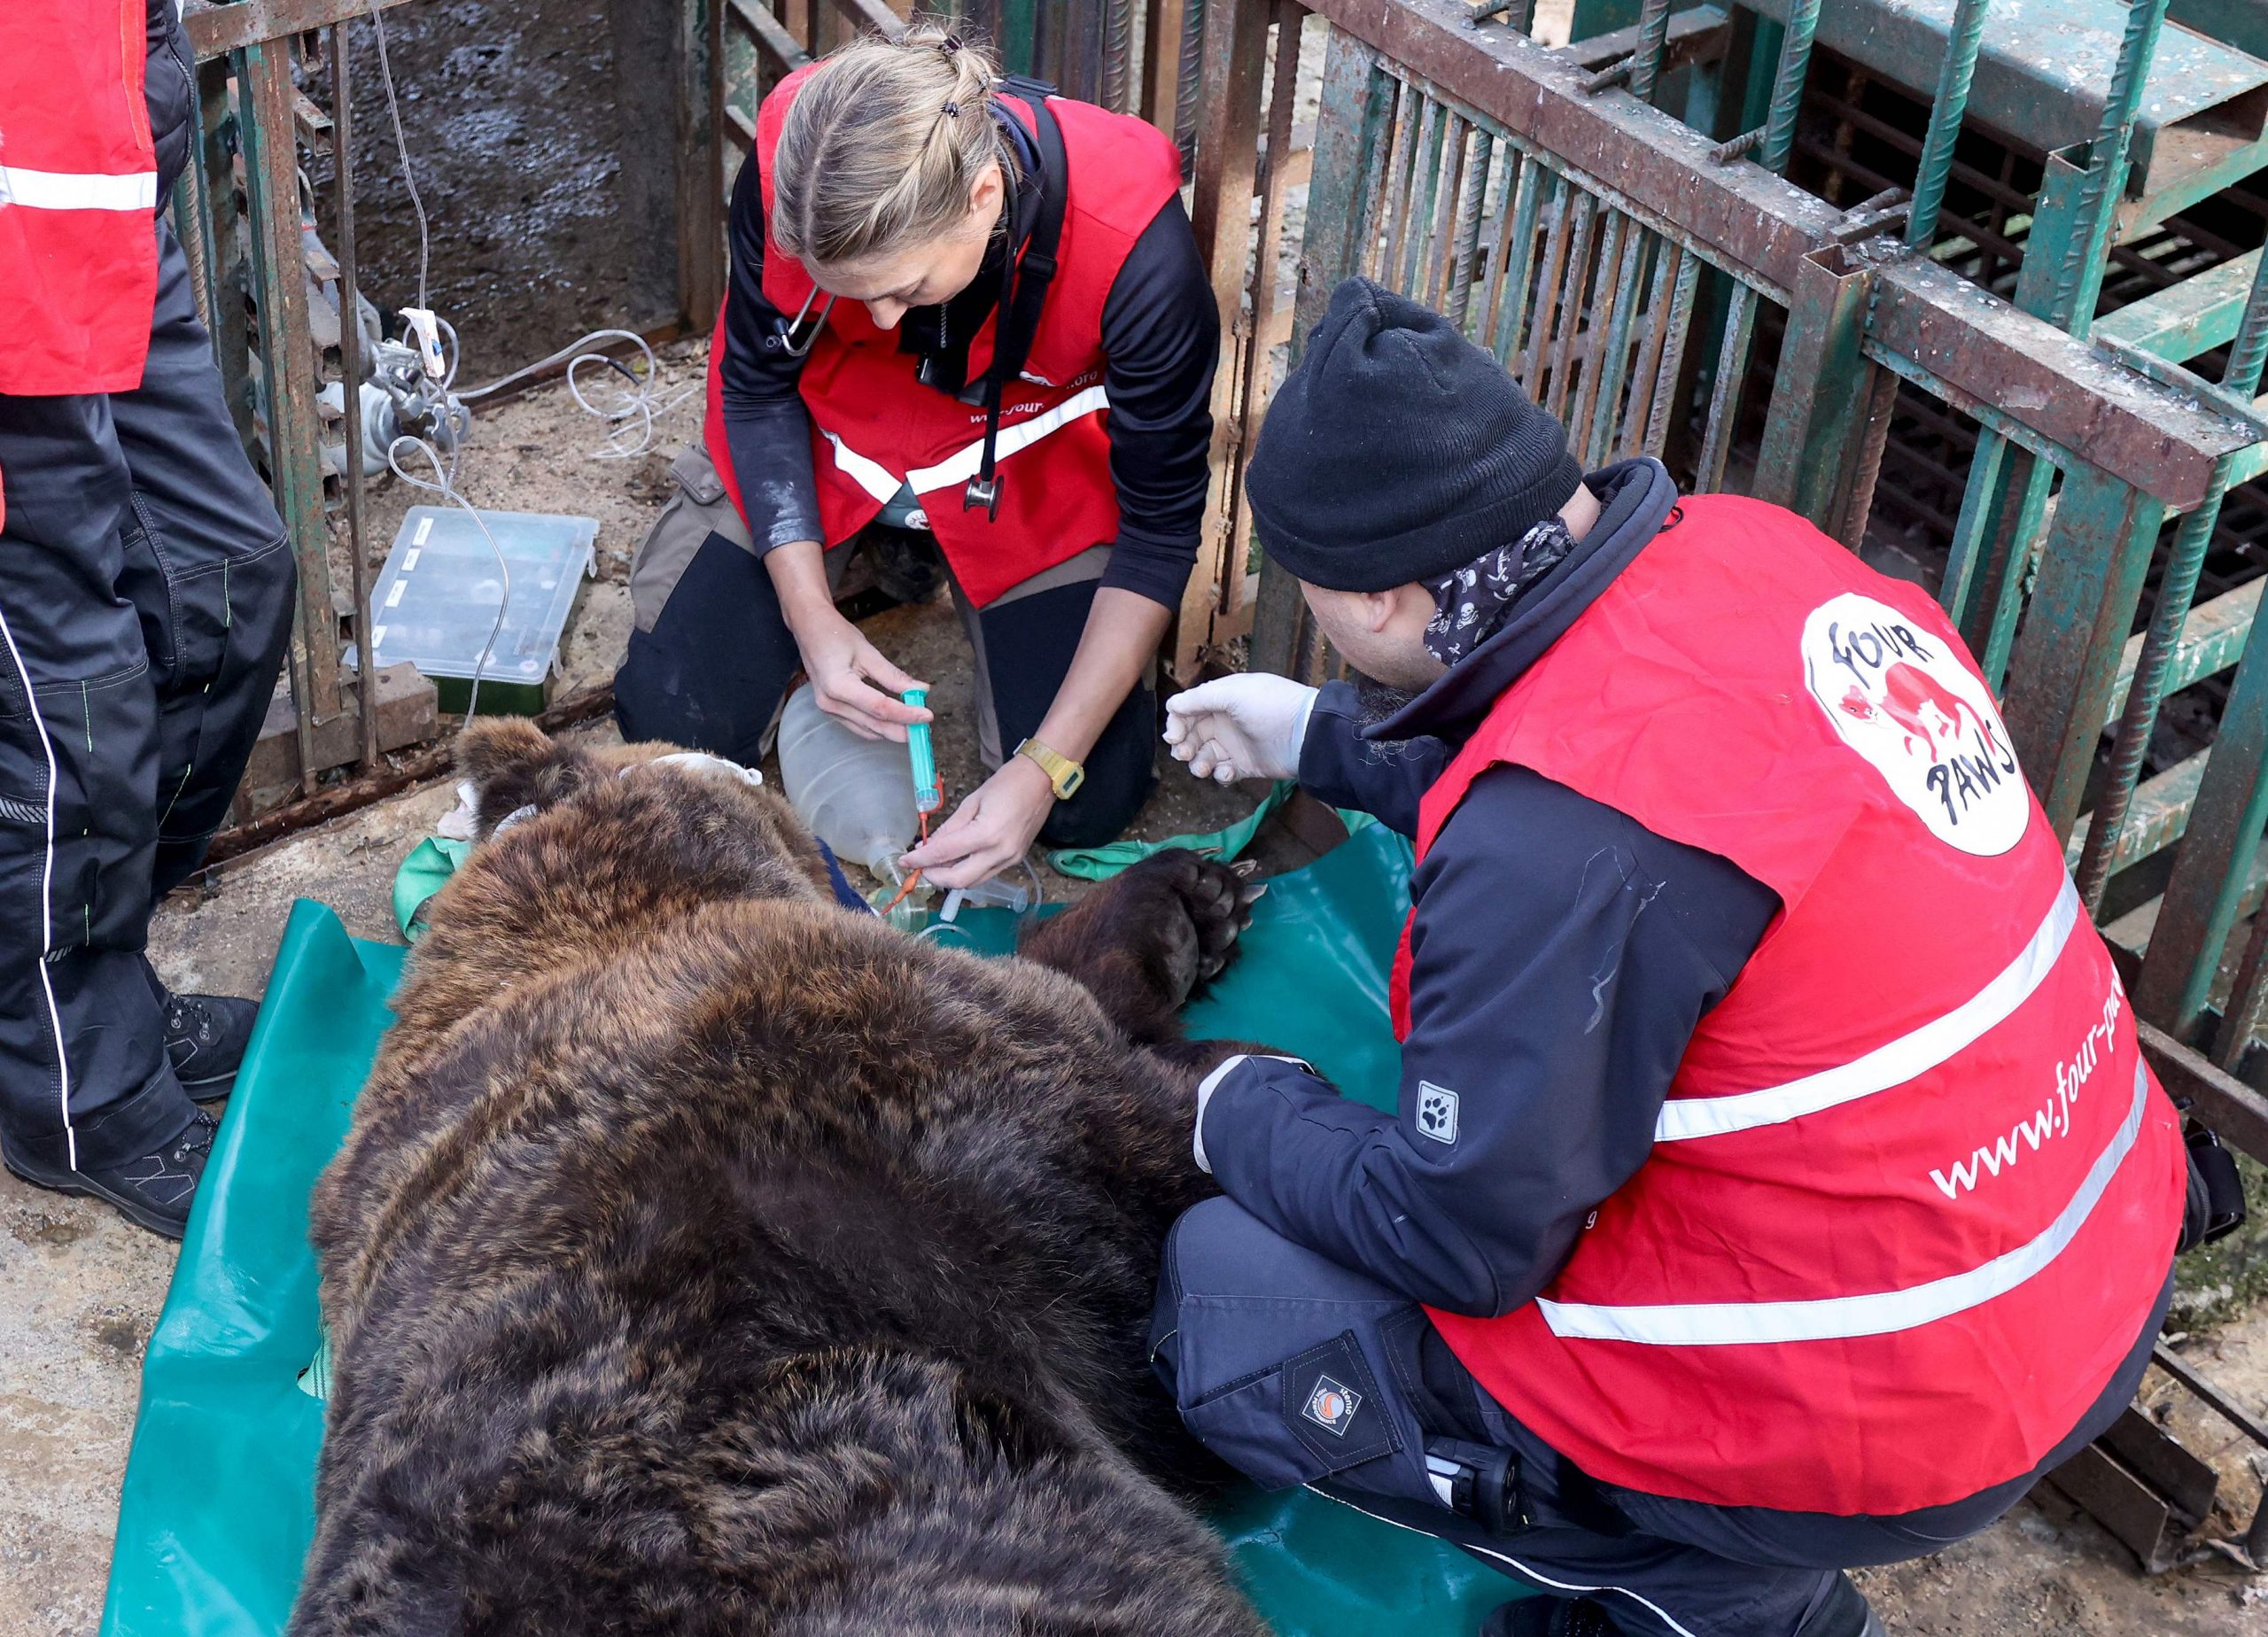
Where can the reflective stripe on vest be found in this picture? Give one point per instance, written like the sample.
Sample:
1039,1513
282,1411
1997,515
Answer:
78,181
1730,1323
959,467
1907,1058
38,190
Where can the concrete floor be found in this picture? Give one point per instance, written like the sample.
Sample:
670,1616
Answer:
80,1290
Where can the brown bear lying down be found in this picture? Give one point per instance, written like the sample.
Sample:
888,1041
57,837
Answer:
706,1259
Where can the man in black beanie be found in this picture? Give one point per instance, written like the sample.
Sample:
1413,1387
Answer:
1694,1264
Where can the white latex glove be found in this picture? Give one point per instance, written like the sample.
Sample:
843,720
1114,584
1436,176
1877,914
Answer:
1244,726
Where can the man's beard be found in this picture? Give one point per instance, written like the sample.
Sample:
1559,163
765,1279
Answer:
1376,700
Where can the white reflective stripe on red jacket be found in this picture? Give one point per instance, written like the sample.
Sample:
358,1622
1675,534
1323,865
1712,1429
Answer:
1892,1063
964,463
39,189
1729,1324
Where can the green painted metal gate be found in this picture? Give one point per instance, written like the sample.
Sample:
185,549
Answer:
1624,266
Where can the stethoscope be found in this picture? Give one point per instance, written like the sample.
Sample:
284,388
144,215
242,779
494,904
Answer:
786,339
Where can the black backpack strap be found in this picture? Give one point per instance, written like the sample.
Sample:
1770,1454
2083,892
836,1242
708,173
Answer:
1024,283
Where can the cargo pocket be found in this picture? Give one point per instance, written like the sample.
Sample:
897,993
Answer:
1304,1419
699,509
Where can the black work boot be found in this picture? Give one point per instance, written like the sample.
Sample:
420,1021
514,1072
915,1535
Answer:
205,1036
155,1192
1550,1616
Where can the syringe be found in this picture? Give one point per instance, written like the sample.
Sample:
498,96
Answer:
929,795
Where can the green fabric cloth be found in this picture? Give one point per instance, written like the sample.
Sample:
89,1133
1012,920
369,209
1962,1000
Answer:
424,872
1097,864
218,1509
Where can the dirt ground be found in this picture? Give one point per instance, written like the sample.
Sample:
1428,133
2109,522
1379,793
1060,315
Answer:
544,221
80,1290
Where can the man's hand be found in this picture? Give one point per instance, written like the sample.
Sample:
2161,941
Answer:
844,667
990,830
1247,727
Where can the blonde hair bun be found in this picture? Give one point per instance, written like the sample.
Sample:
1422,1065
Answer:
882,145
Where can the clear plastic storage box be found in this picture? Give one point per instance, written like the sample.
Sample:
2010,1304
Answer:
437,597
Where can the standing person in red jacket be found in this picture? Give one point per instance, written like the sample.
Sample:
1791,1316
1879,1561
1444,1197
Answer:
1775,1184
145,598
967,322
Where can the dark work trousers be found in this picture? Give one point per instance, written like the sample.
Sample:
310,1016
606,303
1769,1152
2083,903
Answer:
1295,1370
711,658
145,599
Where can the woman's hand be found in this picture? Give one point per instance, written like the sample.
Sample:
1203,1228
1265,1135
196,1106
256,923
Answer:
843,668
989,831
843,665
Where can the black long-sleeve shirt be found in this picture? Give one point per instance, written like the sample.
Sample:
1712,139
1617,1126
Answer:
1562,955
1161,336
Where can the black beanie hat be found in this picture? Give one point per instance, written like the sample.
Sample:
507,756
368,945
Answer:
1398,451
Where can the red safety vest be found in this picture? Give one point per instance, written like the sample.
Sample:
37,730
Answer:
1913,1193
78,185
874,427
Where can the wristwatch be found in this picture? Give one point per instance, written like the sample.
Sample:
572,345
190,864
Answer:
1065,775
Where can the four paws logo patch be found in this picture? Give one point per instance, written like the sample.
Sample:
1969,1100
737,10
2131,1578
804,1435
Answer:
1436,1112
1906,703
1332,1406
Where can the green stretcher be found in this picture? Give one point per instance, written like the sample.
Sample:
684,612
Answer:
218,1503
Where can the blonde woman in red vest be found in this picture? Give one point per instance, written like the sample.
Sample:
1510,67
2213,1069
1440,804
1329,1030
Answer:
968,326
1774,1184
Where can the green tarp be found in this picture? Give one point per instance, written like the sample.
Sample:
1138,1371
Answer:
218,1503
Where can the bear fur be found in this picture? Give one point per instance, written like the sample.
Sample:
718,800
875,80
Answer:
707,1259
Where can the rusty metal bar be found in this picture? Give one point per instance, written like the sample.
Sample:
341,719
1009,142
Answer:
2091,575
216,30
1418,206
350,375
1228,161
1448,197
1666,394
1401,180
2080,269
1787,85
1162,62
1725,391
1570,319
1605,294
1653,39
1866,471
2177,589
1465,236
1118,93
1190,73
1669,282
1549,279
1607,376
1945,114
1279,163
1966,555
2248,997
773,41
294,432
1820,391
872,16
1535,182
1515,167
1756,226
